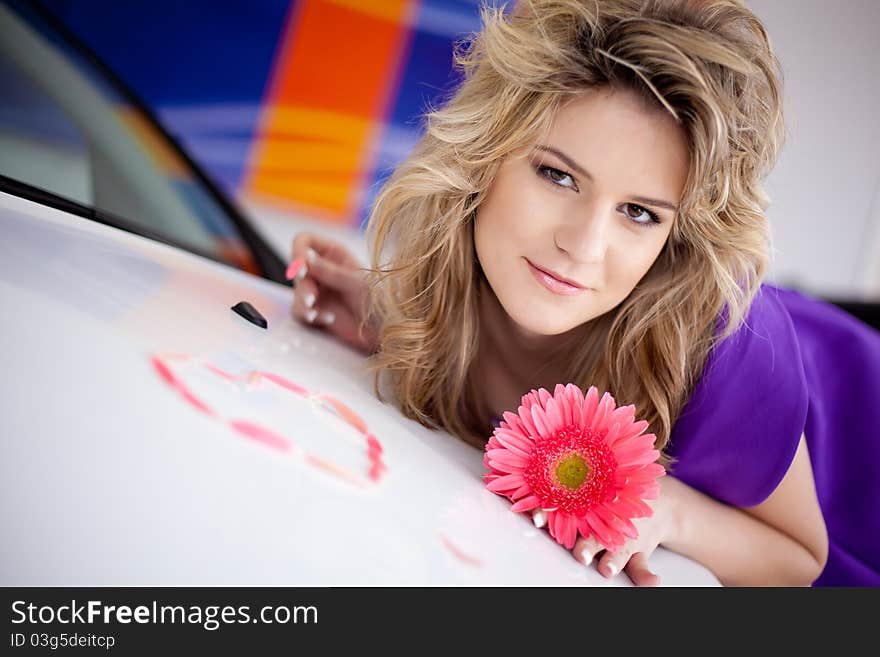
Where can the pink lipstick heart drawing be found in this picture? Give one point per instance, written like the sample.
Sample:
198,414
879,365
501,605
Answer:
270,409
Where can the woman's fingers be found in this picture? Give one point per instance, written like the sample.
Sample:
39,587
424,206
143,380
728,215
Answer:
326,247
344,276
337,318
539,517
329,312
586,549
305,299
613,562
329,289
638,571
302,271
635,564
329,273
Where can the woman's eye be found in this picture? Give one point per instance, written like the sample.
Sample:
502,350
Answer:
647,217
556,176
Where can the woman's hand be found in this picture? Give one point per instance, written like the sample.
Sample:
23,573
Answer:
330,290
633,556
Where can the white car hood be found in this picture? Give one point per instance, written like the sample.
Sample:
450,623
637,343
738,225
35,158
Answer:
111,477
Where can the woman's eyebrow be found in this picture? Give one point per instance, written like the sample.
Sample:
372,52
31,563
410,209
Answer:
586,174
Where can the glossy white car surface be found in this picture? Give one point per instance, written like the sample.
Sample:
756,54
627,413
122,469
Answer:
111,477
152,436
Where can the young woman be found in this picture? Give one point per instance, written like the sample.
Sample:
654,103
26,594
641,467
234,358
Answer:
587,207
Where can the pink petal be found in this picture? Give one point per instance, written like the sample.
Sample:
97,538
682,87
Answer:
634,446
630,431
504,469
604,534
643,474
577,413
279,380
541,423
544,397
560,393
513,421
260,433
506,483
525,417
586,530
650,491
567,412
624,526
554,414
514,441
644,491
504,457
555,525
513,449
624,415
575,394
627,507
568,530
526,504
641,439
519,492
591,401
639,457
606,406
530,399
612,434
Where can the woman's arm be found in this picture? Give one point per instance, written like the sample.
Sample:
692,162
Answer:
782,541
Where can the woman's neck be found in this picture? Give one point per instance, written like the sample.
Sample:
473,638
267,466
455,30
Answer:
506,334
510,363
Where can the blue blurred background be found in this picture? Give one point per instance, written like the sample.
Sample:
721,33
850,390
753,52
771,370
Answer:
307,105
300,109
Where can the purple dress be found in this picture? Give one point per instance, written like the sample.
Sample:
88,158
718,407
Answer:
798,366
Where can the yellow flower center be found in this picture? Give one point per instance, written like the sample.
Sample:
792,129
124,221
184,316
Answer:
572,470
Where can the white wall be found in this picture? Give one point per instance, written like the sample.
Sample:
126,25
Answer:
826,186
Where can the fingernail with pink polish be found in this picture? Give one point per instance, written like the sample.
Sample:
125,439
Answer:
296,269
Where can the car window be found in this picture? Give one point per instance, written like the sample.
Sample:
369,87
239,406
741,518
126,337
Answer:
65,130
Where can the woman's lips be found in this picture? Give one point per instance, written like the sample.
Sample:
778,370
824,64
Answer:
553,284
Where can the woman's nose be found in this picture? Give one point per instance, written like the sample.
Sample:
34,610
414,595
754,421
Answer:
585,237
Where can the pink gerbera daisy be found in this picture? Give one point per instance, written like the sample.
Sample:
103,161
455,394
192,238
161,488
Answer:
581,459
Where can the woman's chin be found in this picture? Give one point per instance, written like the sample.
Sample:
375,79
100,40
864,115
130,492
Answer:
533,327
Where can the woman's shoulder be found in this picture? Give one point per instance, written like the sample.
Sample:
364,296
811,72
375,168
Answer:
737,434
766,334
760,361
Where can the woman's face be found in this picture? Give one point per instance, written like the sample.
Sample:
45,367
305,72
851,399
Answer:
589,205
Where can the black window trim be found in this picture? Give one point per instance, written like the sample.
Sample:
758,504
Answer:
270,264
49,199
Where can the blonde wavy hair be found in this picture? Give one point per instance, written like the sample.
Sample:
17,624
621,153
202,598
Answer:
710,65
